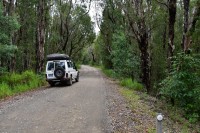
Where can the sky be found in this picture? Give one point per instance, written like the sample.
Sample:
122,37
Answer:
95,13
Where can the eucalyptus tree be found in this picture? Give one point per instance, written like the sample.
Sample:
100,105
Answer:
106,30
186,5
137,13
40,35
82,34
189,28
112,20
72,28
171,22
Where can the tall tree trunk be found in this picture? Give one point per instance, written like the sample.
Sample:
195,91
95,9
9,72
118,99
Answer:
164,35
186,4
5,9
191,28
145,61
11,11
172,20
26,59
141,33
40,36
171,46
11,8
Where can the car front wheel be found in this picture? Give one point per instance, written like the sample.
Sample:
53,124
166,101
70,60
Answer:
70,81
77,78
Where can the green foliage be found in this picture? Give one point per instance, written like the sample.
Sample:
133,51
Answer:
17,83
110,73
196,39
183,84
107,30
8,25
3,70
26,36
7,51
5,90
125,62
129,83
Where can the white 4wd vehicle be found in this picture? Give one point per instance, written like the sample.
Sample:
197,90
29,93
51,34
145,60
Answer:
60,68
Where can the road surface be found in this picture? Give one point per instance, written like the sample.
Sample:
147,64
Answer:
80,108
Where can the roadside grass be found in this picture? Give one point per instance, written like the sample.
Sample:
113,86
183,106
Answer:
5,90
14,83
130,84
109,73
143,104
145,116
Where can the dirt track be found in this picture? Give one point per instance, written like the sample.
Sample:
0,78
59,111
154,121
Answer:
80,108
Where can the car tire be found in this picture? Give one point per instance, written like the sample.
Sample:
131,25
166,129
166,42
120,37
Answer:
70,81
77,78
52,84
59,73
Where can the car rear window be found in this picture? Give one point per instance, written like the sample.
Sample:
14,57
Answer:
56,64
60,64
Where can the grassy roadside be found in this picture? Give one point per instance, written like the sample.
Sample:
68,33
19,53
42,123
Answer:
12,84
148,106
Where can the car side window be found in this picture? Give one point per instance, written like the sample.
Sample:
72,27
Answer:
50,66
72,64
69,64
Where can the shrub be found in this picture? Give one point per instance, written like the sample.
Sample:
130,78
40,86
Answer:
5,90
110,73
20,88
17,83
183,84
29,75
13,79
3,70
131,84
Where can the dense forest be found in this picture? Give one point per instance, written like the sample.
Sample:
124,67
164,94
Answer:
153,42
32,29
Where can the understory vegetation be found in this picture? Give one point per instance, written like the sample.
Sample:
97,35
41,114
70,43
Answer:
14,83
182,85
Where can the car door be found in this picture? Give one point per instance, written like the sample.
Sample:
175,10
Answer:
74,71
71,69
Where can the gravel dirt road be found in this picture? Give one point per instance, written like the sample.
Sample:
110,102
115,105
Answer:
80,108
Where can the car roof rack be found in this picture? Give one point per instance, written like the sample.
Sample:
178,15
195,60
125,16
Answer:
57,56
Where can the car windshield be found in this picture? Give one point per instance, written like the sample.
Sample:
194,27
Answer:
53,65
